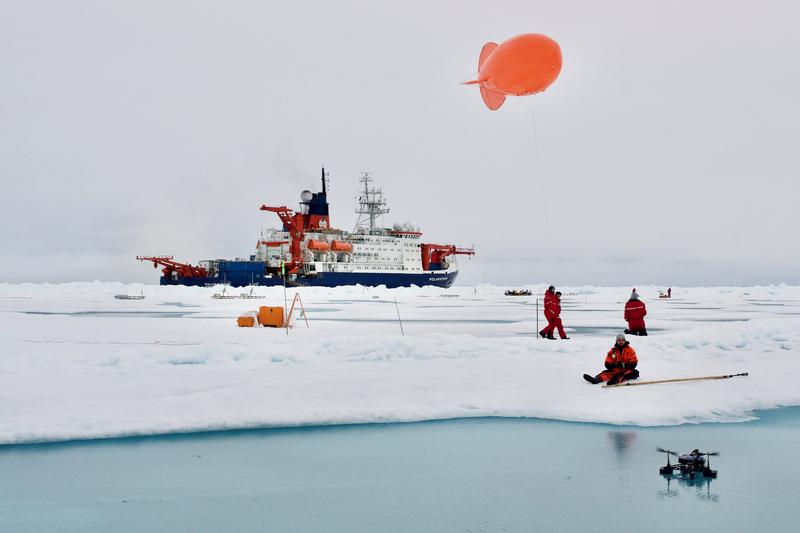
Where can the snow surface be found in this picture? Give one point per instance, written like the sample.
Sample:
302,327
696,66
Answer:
76,363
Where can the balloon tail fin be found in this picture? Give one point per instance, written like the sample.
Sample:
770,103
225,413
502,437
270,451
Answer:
492,99
487,49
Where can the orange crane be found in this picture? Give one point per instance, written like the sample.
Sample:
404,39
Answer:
436,253
294,223
184,270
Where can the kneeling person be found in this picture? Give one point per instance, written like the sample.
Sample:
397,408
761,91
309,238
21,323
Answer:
621,363
635,311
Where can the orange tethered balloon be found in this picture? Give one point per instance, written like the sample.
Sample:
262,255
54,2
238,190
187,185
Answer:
525,64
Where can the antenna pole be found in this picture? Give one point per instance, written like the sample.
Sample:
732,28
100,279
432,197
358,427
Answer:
370,203
398,317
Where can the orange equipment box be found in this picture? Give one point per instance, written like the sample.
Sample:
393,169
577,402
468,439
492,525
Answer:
270,316
246,321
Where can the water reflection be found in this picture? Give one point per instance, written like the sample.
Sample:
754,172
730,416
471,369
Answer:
623,441
668,492
700,484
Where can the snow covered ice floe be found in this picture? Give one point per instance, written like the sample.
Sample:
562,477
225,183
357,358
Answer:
76,363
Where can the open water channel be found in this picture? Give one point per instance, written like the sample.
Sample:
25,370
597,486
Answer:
459,475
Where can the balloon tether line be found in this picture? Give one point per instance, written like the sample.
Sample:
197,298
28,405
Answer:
538,181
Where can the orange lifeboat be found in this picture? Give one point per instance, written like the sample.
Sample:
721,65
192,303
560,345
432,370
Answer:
339,246
318,246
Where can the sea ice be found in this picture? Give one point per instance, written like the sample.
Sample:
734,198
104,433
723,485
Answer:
76,363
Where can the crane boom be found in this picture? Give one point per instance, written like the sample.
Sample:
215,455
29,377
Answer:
183,269
294,224
435,253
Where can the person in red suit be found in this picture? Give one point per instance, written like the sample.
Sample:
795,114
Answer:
620,364
635,311
549,294
552,312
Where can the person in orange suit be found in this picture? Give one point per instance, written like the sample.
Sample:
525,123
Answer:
620,364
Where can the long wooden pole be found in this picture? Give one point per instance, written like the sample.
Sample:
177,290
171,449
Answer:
675,380
283,272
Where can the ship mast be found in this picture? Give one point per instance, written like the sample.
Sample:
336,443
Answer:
370,203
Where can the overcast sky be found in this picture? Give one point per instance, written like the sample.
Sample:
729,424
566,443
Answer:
666,152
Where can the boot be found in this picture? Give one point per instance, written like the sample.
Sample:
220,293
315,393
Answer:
591,379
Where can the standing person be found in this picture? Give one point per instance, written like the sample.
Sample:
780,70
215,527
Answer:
620,364
553,313
549,294
635,311
669,292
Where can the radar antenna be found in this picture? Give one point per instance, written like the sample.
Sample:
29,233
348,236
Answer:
370,203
